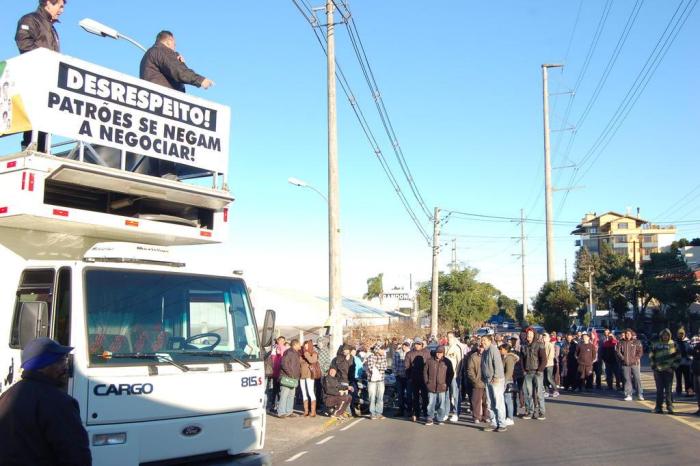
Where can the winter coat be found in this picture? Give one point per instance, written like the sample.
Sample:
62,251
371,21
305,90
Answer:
474,370
609,355
664,356
291,364
307,360
491,364
629,352
415,362
455,353
342,366
534,357
438,374
683,345
510,361
331,386
40,425
586,354
277,354
696,359
549,352
162,65
35,30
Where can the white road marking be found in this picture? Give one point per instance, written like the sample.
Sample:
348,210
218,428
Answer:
350,425
324,440
297,456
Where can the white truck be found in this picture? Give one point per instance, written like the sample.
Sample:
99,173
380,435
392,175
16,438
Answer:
168,363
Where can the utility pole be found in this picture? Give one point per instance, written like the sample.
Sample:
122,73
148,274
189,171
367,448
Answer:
334,287
454,254
522,260
436,275
548,175
590,292
566,270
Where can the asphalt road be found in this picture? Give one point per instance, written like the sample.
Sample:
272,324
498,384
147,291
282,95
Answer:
597,428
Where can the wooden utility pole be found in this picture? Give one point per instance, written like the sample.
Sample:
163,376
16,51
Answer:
548,175
436,275
334,287
454,254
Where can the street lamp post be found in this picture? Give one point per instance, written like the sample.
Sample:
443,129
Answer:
99,29
304,184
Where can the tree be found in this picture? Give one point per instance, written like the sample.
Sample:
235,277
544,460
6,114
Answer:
616,281
554,304
507,307
464,302
668,279
375,288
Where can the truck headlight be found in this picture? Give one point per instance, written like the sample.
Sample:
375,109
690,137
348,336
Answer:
99,440
249,421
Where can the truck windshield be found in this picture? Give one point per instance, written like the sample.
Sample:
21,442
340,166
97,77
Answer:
189,317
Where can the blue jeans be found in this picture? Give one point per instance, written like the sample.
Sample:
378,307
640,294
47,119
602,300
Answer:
536,379
455,397
509,401
286,403
442,400
496,402
633,378
375,391
401,392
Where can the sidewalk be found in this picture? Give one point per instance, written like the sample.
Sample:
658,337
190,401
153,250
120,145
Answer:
283,435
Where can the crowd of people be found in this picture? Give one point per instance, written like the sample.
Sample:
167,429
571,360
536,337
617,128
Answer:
494,378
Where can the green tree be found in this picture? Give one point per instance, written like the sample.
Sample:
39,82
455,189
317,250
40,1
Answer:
375,288
554,304
464,302
616,281
507,307
667,279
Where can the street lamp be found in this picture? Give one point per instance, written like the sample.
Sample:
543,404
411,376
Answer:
99,29
304,184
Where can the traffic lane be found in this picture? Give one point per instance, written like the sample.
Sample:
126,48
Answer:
579,429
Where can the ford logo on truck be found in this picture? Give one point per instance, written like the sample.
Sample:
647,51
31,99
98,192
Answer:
123,389
191,431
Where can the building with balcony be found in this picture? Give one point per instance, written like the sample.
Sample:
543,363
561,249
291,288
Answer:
628,235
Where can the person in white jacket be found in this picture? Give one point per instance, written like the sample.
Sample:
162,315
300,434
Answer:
454,351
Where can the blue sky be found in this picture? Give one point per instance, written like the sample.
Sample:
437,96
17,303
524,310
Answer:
462,83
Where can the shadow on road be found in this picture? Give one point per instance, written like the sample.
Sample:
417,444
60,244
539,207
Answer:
598,405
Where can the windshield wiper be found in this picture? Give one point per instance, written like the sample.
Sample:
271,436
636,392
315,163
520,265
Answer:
160,357
221,354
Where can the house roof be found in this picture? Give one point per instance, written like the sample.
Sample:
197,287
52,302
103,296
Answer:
579,228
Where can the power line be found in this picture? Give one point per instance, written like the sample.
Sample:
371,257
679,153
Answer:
344,84
371,81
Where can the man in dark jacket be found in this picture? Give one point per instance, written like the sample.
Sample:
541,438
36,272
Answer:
39,422
534,363
414,363
335,396
629,352
586,354
290,371
36,30
695,366
163,65
437,375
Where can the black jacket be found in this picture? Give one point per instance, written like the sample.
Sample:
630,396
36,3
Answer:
291,364
35,30
415,362
161,65
342,366
40,425
438,374
534,357
331,386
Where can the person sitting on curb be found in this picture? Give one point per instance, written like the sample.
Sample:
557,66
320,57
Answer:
335,397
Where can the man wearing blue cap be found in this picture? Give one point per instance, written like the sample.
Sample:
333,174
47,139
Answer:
39,422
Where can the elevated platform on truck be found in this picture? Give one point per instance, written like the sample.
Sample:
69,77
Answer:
100,140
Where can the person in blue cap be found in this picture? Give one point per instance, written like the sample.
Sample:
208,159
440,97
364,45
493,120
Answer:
39,421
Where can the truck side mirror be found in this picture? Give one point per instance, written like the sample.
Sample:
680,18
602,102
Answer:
268,328
33,321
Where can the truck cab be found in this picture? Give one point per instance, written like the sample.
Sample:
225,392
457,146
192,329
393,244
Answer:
97,254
